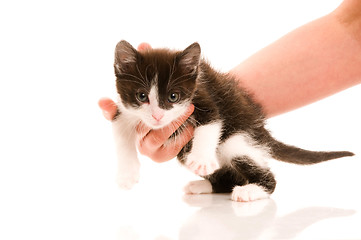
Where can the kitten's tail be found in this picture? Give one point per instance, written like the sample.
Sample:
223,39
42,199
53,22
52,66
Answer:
291,154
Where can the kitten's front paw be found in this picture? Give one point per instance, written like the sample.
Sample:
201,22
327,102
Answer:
127,179
201,166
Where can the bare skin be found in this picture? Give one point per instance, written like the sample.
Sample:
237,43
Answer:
310,63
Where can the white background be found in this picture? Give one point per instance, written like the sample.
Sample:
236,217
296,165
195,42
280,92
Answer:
57,161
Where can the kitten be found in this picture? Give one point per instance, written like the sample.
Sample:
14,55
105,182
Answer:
230,144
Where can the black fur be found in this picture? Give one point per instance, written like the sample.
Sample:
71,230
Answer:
216,96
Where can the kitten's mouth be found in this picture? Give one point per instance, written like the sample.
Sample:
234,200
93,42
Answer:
158,125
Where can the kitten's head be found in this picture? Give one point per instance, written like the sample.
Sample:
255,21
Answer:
156,85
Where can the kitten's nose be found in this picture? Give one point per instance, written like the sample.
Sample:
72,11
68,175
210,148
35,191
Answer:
157,116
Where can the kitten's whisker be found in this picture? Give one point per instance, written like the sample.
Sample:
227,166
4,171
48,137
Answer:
132,81
144,80
146,75
183,76
180,82
131,75
140,81
171,70
203,110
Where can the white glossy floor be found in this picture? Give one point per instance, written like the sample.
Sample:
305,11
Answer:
65,189
305,206
82,202
57,161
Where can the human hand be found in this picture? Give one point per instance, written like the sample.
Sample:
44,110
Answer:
151,142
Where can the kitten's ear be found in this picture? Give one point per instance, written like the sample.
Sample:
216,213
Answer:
125,55
189,59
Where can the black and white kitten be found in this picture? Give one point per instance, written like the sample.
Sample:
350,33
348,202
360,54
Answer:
230,146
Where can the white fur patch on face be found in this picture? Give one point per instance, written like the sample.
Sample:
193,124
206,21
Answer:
198,187
153,96
174,113
249,192
154,116
242,145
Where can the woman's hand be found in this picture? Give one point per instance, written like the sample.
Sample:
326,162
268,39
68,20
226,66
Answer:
151,143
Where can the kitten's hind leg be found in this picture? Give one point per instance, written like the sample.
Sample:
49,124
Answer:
249,192
222,180
225,179
261,182
198,187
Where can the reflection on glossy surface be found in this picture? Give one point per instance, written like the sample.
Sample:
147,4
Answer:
217,217
220,218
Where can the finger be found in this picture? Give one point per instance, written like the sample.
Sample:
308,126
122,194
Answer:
108,107
172,149
144,46
142,130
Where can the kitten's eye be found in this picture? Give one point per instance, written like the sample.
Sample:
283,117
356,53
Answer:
142,97
173,97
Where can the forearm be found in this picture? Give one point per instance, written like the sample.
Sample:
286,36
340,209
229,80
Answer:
310,63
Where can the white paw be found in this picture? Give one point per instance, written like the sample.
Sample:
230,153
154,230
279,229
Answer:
247,193
127,179
201,166
198,187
